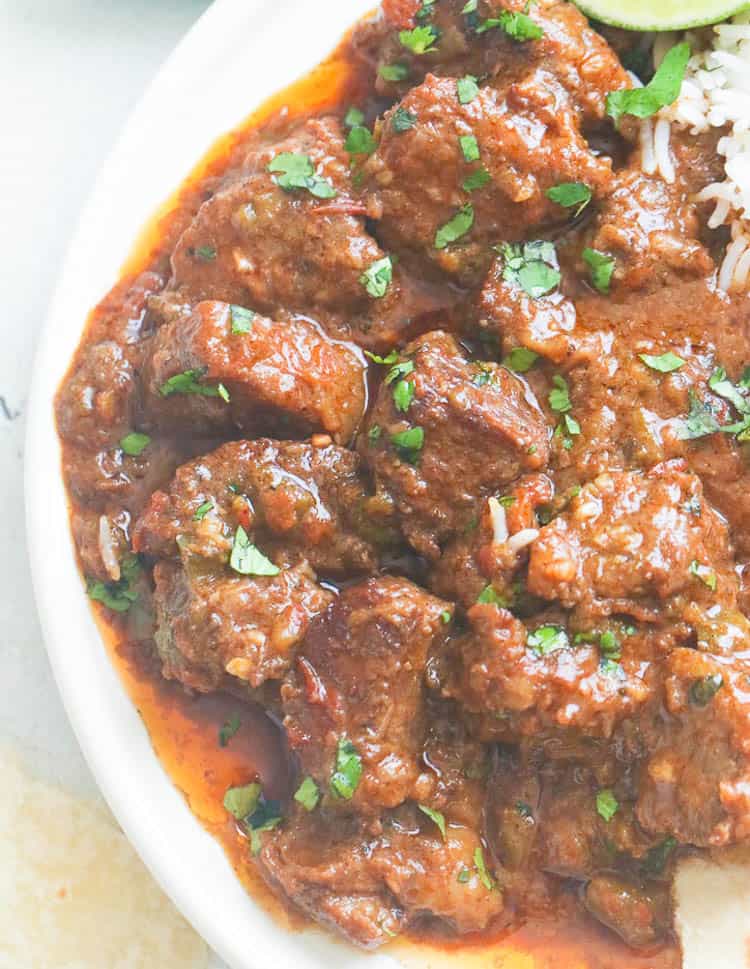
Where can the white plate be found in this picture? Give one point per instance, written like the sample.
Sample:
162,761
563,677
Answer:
239,53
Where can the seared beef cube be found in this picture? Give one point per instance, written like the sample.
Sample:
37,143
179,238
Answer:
354,704
650,229
96,405
368,887
578,57
639,914
257,243
545,679
526,138
295,500
212,624
445,434
223,366
694,784
632,541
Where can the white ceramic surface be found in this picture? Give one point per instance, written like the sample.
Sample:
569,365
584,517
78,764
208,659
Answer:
238,54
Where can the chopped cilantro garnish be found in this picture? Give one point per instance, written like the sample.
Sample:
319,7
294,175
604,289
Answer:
664,363
463,876
571,195
446,616
420,40
242,319
403,395
467,89
265,817
547,639
469,148
658,856
242,801
296,171
426,10
354,117
435,816
607,805
609,645
348,770
601,269
519,26
378,277
559,396
360,141
455,228
188,382
307,794
399,370
476,180
205,253
118,596
203,510
247,559
723,387
570,425
392,357
524,809
532,266
700,421
703,690
610,667
409,443
663,89
373,435
402,120
471,7
229,729
134,443
520,359
394,72
704,573
481,867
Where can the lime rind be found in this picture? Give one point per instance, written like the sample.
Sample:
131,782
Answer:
671,15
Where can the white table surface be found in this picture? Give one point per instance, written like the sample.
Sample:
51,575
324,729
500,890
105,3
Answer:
70,72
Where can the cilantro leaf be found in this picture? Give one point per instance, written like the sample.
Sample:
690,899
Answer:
467,89
435,816
392,357
703,690
484,876
242,801
455,228
663,89
394,72
188,382
118,596
403,395
203,510
247,559
547,639
242,319
134,444
601,269
401,369
354,117
348,770
469,148
520,360
308,794
607,805
700,421
378,277
265,817
409,443
532,266
723,387
658,856
373,435
402,120
420,40
205,253
559,396
570,195
229,729
519,26
360,141
664,363
704,573
295,171
476,180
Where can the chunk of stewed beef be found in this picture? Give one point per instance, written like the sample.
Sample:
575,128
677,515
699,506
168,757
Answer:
354,704
446,433
96,406
214,625
463,176
476,42
295,501
370,884
220,366
632,543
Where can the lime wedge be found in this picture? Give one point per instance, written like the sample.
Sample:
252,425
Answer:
665,15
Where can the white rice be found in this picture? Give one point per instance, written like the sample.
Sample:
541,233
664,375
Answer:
715,94
73,893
